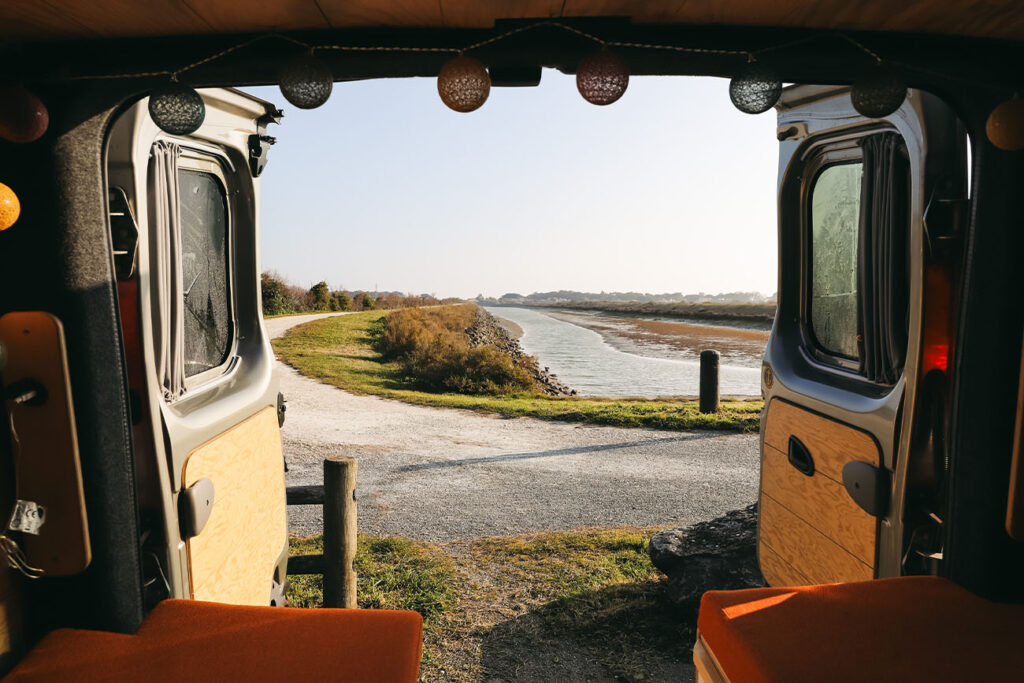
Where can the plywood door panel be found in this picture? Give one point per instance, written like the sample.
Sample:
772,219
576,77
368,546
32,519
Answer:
778,572
832,444
808,550
232,560
821,502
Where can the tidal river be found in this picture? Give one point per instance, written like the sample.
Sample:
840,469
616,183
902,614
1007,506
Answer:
600,354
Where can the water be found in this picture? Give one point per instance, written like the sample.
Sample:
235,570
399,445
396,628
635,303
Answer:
584,360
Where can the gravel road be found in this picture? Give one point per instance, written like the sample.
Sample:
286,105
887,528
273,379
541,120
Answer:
441,474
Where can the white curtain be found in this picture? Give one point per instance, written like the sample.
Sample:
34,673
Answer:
168,326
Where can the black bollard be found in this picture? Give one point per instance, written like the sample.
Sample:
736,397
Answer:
709,360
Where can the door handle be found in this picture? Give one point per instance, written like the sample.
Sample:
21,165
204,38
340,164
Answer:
194,507
800,457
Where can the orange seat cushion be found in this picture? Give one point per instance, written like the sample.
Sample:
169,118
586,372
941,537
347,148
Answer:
905,629
185,640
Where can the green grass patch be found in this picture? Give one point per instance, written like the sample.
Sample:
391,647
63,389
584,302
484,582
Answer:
394,573
539,605
340,351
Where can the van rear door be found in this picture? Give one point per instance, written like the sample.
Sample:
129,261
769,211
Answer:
842,369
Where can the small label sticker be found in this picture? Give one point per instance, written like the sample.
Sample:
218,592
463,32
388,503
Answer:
27,517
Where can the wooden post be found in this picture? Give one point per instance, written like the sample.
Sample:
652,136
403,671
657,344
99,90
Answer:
709,395
339,532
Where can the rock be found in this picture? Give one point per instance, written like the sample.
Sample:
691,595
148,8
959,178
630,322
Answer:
720,554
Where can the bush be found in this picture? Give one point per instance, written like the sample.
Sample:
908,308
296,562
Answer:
433,348
321,295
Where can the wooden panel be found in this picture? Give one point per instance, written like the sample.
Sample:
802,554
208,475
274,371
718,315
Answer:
809,551
821,502
832,444
1015,497
778,572
46,461
233,559
74,18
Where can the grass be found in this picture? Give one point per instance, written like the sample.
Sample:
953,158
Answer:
541,607
339,351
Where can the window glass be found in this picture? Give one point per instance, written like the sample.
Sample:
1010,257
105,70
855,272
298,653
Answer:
835,215
204,262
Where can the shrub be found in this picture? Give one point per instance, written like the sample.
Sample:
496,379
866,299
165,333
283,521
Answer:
433,349
321,295
274,292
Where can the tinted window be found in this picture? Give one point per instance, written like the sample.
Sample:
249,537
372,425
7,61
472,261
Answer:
835,215
204,250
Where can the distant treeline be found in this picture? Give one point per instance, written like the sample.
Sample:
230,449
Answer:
281,297
704,311
564,296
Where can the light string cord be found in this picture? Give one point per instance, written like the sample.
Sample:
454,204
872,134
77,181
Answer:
15,556
750,55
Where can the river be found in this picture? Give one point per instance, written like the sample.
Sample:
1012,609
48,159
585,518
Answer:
609,355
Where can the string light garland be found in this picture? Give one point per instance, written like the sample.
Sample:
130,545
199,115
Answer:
878,92
602,77
306,81
177,109
464,84
1005,125
23,116
10,207
755,89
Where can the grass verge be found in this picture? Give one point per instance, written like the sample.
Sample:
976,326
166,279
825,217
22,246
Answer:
339,351
560,605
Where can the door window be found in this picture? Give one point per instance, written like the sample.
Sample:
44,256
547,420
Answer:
835,217
204,263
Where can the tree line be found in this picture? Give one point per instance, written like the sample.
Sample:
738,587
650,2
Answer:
281,297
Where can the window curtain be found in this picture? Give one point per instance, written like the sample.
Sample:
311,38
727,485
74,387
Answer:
883,251
166,230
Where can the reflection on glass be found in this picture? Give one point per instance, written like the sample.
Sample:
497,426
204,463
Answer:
204,257
835,214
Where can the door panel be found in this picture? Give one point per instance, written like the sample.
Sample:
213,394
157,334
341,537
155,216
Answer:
806,549
852,253
818,502
233,558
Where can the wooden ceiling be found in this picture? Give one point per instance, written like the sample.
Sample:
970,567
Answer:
35,20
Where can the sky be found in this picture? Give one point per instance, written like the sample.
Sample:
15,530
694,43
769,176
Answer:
670,189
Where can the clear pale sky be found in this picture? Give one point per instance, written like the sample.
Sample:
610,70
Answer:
670,189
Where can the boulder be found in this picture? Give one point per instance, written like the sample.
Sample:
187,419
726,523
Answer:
720,554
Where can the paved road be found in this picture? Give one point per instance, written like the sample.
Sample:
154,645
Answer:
441,474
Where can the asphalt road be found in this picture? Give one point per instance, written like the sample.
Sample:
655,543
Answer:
441,474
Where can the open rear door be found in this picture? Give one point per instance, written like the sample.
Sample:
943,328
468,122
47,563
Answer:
842,367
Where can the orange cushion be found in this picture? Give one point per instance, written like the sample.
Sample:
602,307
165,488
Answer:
905,629
185,640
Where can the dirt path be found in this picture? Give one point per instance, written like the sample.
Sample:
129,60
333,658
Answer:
441,474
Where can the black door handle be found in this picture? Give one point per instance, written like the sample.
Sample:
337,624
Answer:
800,457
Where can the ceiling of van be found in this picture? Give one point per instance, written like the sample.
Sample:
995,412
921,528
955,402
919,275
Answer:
74,19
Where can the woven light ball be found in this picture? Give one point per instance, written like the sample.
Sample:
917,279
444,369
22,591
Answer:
10,207
463,84
177,109
878,92
755,90
602,77
1005,125
23,116
306,82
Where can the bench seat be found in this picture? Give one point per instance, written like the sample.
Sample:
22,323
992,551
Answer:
186,640
902,629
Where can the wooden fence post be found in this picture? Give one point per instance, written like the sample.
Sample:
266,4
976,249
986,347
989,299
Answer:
709,394
339,532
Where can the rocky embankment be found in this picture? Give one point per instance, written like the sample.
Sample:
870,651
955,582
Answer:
720,554
487,330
